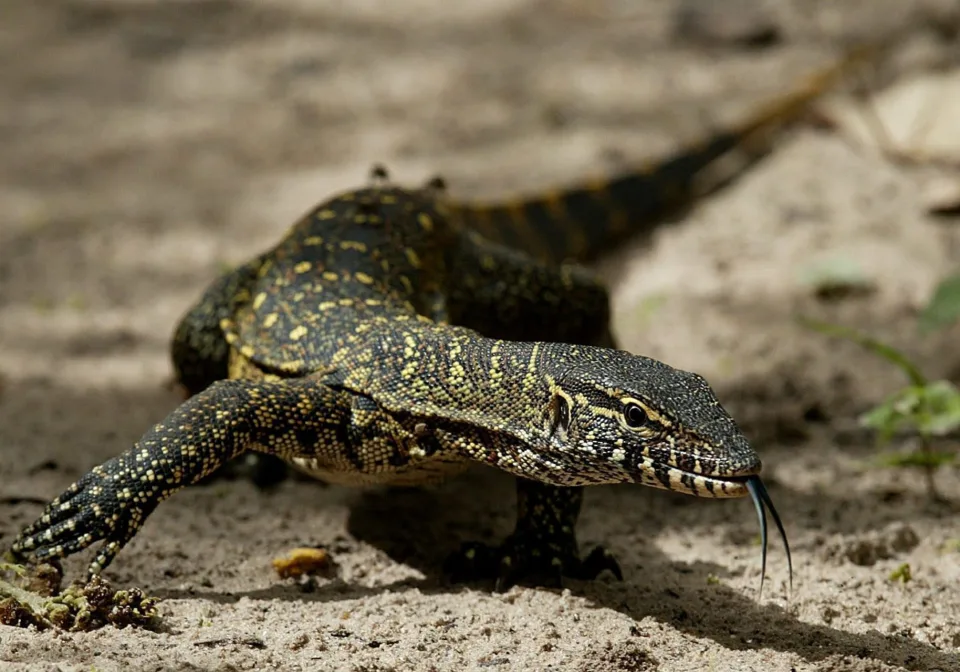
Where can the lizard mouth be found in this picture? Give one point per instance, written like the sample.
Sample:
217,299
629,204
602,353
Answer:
700,484
736,486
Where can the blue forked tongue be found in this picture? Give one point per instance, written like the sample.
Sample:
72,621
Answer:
762,502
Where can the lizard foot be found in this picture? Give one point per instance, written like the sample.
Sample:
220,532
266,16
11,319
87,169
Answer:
107,504
518,562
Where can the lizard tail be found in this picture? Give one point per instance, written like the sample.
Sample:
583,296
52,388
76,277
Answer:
584,221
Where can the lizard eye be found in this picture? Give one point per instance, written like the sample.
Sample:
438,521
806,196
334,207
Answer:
635,416
561,412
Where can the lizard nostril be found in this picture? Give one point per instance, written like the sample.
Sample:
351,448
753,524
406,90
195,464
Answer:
750,466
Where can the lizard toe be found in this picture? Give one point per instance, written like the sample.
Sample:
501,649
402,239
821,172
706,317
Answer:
60,510
99,506
598,561
48,538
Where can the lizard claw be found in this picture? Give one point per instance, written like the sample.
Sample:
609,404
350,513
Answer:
598,560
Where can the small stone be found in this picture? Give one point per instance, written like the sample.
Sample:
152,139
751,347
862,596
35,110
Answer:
302,561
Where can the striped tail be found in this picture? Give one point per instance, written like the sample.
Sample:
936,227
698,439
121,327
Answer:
584,221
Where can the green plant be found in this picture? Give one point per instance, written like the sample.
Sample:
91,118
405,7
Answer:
927,408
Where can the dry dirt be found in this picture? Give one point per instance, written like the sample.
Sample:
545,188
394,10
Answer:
145,144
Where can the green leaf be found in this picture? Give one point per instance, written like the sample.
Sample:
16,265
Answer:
887,418
878,348
930,410
940,409
944,308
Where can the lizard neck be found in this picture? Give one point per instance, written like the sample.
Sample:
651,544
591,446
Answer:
485,399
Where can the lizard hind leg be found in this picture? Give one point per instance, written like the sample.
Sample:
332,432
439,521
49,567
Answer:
504,293
201,356
542,549
199,352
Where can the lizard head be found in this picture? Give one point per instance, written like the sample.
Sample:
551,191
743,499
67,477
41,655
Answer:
623,418
614,417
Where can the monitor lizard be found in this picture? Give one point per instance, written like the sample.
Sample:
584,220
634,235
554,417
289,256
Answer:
396,336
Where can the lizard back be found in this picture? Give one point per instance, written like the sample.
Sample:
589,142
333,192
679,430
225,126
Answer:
365,257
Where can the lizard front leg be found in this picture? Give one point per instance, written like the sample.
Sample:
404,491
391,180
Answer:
112,501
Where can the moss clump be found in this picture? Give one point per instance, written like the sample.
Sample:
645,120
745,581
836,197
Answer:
81,607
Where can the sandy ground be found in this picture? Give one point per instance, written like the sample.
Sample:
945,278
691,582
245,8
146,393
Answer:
146,144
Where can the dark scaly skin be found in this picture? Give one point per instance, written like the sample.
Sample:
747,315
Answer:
337,352
342,361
